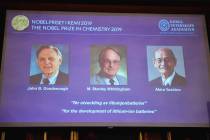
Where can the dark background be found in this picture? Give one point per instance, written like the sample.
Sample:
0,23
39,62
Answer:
119,6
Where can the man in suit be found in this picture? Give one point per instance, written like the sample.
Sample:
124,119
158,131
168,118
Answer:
165,61
109,62
49,59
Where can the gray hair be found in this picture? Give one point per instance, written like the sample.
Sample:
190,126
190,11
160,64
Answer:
101,55
168,51
49,47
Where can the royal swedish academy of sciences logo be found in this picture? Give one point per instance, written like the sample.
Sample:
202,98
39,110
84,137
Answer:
164,25
20,22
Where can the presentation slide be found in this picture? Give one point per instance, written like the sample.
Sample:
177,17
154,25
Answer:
104,69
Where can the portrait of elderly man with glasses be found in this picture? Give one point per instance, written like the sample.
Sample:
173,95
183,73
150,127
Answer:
165,62
109,61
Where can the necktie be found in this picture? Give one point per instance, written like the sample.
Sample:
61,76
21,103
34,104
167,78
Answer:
111,82
46,81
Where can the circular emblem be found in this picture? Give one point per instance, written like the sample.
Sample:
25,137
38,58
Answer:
20,22
164,25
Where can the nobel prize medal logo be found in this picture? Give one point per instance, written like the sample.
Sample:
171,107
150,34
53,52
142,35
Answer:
20,22
164,25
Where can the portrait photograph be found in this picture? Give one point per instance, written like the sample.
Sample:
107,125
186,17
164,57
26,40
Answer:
49,64
166,66
108,65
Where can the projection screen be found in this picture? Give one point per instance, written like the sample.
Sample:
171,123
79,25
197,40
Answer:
104,69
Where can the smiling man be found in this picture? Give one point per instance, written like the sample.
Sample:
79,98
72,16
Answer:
165,62
109,62
49,59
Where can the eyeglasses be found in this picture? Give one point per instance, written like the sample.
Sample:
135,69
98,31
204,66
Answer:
115,62
166,60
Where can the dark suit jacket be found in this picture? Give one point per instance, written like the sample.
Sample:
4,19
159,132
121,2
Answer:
177,81
62,79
